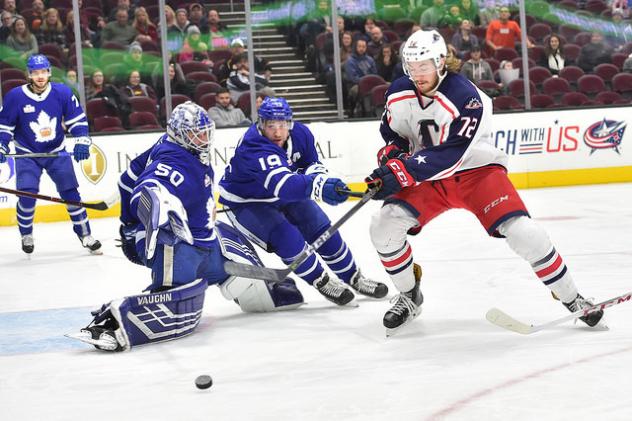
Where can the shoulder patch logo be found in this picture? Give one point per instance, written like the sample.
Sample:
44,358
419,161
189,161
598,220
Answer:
28,108
473,104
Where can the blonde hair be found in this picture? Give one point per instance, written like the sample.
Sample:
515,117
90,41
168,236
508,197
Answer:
58,26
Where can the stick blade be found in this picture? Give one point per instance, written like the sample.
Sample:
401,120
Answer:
96,206
502,319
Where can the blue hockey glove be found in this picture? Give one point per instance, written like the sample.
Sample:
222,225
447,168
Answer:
128,243
389,179
82,148
388,152
3,151
324,189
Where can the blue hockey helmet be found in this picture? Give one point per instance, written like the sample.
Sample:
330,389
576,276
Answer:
186,125
37,62
275,109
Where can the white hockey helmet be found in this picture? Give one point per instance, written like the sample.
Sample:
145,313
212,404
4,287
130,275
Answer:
187,124
423,45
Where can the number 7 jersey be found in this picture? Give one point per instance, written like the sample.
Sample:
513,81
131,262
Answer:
446,133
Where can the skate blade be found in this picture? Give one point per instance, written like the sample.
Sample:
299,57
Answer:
104,344
97,252
351,304
392,332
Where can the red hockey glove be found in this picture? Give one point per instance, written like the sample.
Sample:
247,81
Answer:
389,179
391,151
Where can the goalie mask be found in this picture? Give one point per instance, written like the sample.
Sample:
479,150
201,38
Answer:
191,127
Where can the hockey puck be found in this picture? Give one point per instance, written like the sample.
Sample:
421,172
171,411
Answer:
203,382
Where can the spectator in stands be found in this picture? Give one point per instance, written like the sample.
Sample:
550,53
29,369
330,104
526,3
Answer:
369,24
622,6
194,49
594,53
553,54
341,25
175,38
507,74
237,49
488,12
477,69
37,15
5,29
385,62
627,65
119,31
52,30
97,88
146,29
216,31
224,114
9,6
182,21
177,81
469,11
346,46
69,31
21,39
376,42
122,4
464,40
238,81
135,87
196,16
452,18
358,65
504,33
136,60
70,80
433,15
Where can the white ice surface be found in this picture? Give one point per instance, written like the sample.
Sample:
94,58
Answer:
325,363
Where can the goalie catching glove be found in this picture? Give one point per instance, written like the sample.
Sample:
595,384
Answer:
389,179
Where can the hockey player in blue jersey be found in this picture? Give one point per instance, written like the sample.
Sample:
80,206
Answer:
440,155
269,187
34,116
168,224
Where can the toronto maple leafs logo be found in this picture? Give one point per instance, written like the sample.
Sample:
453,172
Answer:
44,128
605,134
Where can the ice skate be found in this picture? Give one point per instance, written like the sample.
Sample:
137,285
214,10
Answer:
594,319
94,246
407,306
368,287
28,244
102,338
335,291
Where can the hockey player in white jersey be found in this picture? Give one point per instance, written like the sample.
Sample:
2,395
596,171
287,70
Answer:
34,116
439,155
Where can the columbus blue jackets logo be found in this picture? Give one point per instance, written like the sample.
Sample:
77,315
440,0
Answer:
473,104
605,134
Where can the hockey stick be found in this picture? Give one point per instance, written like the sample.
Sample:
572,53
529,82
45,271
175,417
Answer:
279,275
103,205
350,193
40,155
502,319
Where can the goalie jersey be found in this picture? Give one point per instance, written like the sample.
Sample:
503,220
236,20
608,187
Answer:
262,172
32,120
184,176
446,133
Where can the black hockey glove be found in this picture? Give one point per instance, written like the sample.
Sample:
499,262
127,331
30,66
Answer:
389,179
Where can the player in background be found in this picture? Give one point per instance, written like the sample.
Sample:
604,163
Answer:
168,224
269,187
440,155
34,116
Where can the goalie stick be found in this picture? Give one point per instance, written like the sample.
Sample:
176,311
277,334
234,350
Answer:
502,319
103,205
279,275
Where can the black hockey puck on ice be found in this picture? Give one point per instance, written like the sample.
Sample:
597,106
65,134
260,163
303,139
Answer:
203,382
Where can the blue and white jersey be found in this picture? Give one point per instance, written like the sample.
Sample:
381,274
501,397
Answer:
446,133
184,176
262,172
36,122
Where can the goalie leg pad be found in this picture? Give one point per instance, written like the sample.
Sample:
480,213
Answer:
262,296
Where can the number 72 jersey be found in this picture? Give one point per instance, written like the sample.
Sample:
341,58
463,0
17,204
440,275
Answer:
446,133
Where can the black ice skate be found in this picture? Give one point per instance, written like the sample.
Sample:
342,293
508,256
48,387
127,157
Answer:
334,290
407,306
579,303
94,246
27,244
368,287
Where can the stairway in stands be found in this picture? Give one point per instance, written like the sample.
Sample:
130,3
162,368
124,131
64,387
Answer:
289,78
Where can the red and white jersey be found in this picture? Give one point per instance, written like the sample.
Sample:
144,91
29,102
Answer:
446,133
